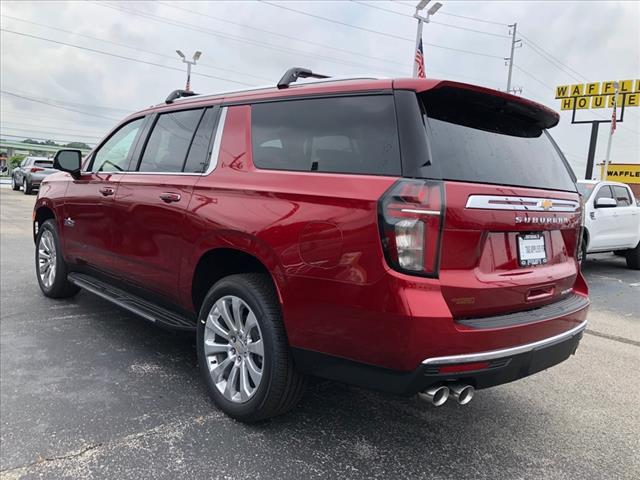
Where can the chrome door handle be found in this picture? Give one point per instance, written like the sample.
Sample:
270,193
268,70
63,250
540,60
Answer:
170,197
106,191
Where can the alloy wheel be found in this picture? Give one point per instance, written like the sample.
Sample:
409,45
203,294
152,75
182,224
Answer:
233,348
47,259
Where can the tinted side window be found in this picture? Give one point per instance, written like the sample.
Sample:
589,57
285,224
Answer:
622,196
169,142
113,156
340,135
200,151
604,192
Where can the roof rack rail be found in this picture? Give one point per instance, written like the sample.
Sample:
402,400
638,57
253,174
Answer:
179,94
294,73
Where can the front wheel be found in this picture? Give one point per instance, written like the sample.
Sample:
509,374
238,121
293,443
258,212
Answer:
14,185
243,351
51,268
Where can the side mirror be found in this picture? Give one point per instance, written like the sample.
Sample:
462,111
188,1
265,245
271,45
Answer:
68,161
605,202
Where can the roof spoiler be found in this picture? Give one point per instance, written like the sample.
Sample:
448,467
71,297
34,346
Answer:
294,73
541,115
179,94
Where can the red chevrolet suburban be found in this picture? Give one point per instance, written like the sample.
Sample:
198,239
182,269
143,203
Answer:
415,236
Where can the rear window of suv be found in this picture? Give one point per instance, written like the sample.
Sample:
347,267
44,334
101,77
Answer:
477,138
340,135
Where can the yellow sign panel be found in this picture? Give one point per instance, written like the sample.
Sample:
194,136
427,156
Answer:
625,173
598,94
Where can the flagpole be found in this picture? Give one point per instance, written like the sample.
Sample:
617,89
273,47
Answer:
418,38
611,130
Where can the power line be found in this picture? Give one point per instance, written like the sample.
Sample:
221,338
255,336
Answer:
68,103
536,46
122,57
203,64
31,99
407,15
296,39
377,32
38,117
474,19
254,43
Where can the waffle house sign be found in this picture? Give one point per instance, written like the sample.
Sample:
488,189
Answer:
583,96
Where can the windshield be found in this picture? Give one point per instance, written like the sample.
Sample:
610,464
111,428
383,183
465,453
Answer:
585,189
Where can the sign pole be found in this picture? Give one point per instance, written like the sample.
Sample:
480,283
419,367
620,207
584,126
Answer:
606,158
592,150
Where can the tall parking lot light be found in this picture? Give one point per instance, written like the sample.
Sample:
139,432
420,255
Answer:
421,20
196,57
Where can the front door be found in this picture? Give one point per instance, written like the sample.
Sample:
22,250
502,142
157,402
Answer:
605,229
88,204
151,202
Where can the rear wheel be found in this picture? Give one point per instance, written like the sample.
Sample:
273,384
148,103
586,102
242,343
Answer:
243,351
633,257
51,268
14,185
26,187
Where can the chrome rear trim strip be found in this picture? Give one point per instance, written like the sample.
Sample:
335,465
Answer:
530,204
505,352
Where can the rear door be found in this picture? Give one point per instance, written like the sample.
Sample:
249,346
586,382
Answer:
512,216
149,237
88,203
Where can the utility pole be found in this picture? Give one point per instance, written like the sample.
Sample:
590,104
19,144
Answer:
513,28
421,21
196,57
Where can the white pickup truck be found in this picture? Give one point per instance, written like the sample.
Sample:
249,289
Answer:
611,220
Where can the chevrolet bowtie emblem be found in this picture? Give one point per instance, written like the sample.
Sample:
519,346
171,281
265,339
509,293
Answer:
546,204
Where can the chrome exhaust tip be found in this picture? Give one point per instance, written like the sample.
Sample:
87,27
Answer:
437,396
462,393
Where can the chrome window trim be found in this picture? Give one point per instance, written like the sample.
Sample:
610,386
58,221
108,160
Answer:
213,160
499,202
505,352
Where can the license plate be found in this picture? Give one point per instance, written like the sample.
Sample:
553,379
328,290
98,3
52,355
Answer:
531,249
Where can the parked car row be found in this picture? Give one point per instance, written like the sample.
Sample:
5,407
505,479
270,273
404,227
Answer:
30,173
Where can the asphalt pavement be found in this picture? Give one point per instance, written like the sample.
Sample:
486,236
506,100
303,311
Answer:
88,390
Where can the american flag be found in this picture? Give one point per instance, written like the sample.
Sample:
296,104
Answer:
613,115
420,61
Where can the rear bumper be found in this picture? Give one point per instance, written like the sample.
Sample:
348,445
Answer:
504,365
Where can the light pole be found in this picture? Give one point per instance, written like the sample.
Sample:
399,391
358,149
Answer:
196,57
421,5
606,158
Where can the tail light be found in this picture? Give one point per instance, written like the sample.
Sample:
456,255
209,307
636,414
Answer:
36,169
411,217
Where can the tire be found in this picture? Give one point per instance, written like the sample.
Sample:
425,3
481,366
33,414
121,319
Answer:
633,257
26,187
280,386
582,256
14,186
53,280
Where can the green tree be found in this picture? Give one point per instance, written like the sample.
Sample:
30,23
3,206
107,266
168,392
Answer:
15,161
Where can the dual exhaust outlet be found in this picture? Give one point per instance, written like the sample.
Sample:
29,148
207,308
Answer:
437,396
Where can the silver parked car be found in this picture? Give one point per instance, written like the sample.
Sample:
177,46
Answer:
30,173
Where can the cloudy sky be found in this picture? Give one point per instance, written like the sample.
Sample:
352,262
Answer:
70,70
